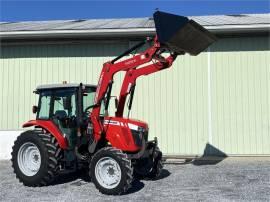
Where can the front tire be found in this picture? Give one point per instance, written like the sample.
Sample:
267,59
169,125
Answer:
111,171
150,167
36,158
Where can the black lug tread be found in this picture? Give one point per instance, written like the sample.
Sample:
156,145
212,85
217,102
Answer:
51,146
44,135
54,160
53,140
58,152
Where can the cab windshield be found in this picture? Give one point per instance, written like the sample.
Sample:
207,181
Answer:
88,100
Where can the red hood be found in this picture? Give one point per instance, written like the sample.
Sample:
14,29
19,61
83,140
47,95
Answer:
127,120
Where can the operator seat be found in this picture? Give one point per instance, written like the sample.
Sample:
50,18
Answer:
60,117
60,114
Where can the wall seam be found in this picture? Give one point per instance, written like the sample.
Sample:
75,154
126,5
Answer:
210,134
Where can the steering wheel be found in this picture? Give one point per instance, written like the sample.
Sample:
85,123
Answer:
89,107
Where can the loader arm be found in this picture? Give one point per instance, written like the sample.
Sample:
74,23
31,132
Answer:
106,79
131,76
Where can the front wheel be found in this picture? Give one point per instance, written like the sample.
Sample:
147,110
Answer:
111,171
149,167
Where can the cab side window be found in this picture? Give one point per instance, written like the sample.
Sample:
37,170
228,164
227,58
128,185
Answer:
44,110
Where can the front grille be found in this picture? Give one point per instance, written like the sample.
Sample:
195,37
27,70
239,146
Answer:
138,136
145,135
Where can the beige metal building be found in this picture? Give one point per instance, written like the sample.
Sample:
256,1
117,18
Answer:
215,103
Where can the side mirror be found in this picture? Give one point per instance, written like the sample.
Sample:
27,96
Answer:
116,102
34,109
67,103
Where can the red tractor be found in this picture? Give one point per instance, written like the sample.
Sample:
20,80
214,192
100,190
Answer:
73,130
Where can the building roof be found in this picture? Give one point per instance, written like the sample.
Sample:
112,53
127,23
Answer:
133,26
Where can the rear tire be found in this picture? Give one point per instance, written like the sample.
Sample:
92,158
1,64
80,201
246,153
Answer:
36,158
111,171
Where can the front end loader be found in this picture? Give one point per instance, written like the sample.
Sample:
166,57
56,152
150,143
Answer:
73,129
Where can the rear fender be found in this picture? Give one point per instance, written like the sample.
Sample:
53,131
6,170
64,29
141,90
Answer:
50,127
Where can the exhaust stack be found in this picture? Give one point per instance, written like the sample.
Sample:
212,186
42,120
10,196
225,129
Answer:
179,34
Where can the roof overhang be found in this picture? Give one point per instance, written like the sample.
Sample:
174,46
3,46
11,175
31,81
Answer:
136,32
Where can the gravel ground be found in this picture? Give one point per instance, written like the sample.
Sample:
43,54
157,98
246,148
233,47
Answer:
227,180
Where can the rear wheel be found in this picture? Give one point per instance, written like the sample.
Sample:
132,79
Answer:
111,171
35,158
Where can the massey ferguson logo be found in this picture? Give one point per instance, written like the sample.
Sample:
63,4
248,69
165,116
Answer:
130,62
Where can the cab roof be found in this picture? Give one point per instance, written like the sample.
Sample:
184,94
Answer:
58,86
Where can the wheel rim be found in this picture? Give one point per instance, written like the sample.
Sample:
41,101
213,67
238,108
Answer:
29,159
108,172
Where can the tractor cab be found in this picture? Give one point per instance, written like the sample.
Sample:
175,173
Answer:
65,105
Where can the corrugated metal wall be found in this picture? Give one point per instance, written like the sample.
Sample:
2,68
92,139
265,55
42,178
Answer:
174,102
240,73
23,67
215,102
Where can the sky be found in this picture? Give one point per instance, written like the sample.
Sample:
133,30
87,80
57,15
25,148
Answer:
21,10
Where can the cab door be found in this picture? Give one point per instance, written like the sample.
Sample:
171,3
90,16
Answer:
64,113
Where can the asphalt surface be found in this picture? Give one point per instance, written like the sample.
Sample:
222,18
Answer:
227,180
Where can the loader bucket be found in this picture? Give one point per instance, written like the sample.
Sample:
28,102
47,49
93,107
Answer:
179,34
